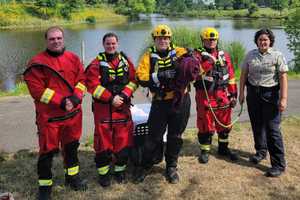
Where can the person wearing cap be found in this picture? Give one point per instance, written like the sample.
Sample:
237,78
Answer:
216,94
264,73
156,71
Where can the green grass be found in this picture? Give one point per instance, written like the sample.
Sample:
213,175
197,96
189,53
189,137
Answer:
21,89
219,179
27,15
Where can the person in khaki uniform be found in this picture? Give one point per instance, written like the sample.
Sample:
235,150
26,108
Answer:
156,71
264,72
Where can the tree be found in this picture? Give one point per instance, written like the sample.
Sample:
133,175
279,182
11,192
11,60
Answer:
44,7
92,2
74,4
279,4
252,8
134,7
177,6
292,28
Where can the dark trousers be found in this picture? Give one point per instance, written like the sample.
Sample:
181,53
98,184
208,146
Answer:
105,158
265,120
44,164
163,117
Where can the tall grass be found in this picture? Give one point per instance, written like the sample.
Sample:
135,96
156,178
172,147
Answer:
21,89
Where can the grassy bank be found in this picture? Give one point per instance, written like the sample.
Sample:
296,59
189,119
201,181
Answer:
26,15
261,13
219,179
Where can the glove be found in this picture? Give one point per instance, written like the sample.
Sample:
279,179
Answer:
75,100
63,103
233,102
167,74
125,97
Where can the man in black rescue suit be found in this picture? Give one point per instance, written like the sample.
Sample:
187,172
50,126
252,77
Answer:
156,71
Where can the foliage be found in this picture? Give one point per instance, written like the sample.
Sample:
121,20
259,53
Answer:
237,53
91,19
134,7
93,2
20,89
292,28
44,8
279,4
252,8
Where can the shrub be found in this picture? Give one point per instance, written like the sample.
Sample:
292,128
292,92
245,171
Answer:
91,19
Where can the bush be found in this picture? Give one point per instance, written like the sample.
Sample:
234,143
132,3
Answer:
252,8
91,19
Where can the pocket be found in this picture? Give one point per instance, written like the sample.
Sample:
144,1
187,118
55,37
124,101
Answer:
271,96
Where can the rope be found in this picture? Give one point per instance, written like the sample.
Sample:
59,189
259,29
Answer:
213,113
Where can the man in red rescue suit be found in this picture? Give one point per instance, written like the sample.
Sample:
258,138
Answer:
111,81
217,79
156,71
55,79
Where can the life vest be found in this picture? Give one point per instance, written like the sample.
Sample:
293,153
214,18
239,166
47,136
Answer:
218,76
158,64
114,79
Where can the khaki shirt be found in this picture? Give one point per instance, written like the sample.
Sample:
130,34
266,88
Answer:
264,69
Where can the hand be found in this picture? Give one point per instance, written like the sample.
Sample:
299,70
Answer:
69,105
66,104
117,101
166,74
232,102
125,97
241,98
75,100
282,104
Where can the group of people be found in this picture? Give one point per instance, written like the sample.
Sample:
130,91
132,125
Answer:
57,81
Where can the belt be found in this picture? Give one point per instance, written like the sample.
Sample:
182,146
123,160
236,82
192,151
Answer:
62,118
259,89
115,121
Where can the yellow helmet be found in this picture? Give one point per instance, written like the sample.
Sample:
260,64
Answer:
162,30
209,33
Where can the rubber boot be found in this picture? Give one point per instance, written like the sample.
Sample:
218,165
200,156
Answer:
223,150
76,183
105,180
44,193
140,174
172,175
203,157
120,177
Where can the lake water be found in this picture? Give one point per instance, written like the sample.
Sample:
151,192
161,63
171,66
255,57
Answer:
17,46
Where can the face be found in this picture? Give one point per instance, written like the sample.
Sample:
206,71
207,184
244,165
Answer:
110,45
210,43
55,41
263,42
162,43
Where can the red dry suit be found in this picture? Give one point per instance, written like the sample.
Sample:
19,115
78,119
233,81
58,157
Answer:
105,79
50,79
218,75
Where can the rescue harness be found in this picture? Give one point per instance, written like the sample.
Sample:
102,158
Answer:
157,63
217,78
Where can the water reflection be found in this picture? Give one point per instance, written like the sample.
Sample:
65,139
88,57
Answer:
17,46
